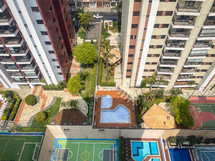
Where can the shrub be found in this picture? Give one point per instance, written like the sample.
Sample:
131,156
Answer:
61,85
40,116
9,94
73,104
108,84
3,117
199,139
121,149
192,139
100,70
172,139
6,112
207,140
83,75
31,100
74,84
15,108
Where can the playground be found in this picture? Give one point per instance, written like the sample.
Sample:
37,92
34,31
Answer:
20,147
85,150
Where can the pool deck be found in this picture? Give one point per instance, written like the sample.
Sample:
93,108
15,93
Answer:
147,158
117,100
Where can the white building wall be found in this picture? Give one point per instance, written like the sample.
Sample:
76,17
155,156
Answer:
37,41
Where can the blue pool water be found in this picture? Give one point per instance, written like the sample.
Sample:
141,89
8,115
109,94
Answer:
106,101
205,153
119,115
141,149
179,154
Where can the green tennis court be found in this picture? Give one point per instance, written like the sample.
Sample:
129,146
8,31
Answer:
19,148
85,150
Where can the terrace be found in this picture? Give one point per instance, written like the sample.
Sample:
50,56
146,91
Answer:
183,22
188,8
114,109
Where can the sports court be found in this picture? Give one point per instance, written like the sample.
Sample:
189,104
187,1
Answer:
203,115
85,150
19,147
205,153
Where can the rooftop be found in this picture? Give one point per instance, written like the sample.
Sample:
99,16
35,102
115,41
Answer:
158,118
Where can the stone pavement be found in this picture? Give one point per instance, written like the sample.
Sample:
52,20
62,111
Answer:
118,75
114,38
75,68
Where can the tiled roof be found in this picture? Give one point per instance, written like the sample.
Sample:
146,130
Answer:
69,117
158,118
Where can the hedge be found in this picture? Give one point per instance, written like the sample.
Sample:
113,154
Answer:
15,108
121,149
100,70
60,86
108,83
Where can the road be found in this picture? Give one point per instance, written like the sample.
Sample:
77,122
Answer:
106,15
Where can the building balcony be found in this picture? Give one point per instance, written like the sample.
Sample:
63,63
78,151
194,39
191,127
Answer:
188,10
171,56
6,31
3,52
6,60
161,85
32,75
183,23
24,60
175,46
201,45
182,78
186,71
34,80
13,42
4,20
19,52
19,81
12,68
200,56
187,84
2,6
212,11
28,68
192,64
164,77
168,64
16,75
207,34
209,23
178,35
165,71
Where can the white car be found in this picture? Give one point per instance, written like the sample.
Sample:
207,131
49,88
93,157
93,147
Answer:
97,16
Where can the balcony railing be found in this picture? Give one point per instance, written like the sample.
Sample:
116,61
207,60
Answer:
209,22
169,62
20,80
172,54
11,40
179,34
188,22
185,83
188,70
177,45
213,9
12,68
26,59
34,80
27,67
6,60
164,77
207,35
18,50
203,44
188,8
16,74
7,30
185,77
193,63
165,70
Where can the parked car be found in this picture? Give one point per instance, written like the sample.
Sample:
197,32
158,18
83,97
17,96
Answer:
97,16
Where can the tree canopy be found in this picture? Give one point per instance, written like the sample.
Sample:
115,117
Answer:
85,18
85,53
74,85
180,108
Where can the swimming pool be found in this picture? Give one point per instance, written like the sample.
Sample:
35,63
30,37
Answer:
119,115
177,154
205,153
106,101
141,149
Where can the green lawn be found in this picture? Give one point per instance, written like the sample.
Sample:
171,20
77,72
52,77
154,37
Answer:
24,148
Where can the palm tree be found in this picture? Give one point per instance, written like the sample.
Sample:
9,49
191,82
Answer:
106,55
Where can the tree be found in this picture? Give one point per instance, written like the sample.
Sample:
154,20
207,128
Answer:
40,116
75,84
175,92
31,100
106,55
85,53
180,108
85,18
74,104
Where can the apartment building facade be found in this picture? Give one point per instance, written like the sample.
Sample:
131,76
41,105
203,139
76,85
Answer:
174,38
36,40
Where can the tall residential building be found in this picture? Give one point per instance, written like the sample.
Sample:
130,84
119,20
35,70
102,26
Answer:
36,40
174,38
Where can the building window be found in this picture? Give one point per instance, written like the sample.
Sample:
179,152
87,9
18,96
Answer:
39,21
152,70
58,67
129,70
34,9
54,60
149,55
168,13
51,52
159,13
60,74
25,25
53,20
151,46
50,9
134,25
153,36
132,46
130,55
47,42
147,63
44,33
156,26
165,25
62,47
133,37
145,70
156,55
130,63
204,70
137,0
59,38
172,0
161,36
136,13
56,30
159,46
154,63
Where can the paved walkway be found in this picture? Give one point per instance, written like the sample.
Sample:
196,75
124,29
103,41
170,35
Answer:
114,38
75,68
118,75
